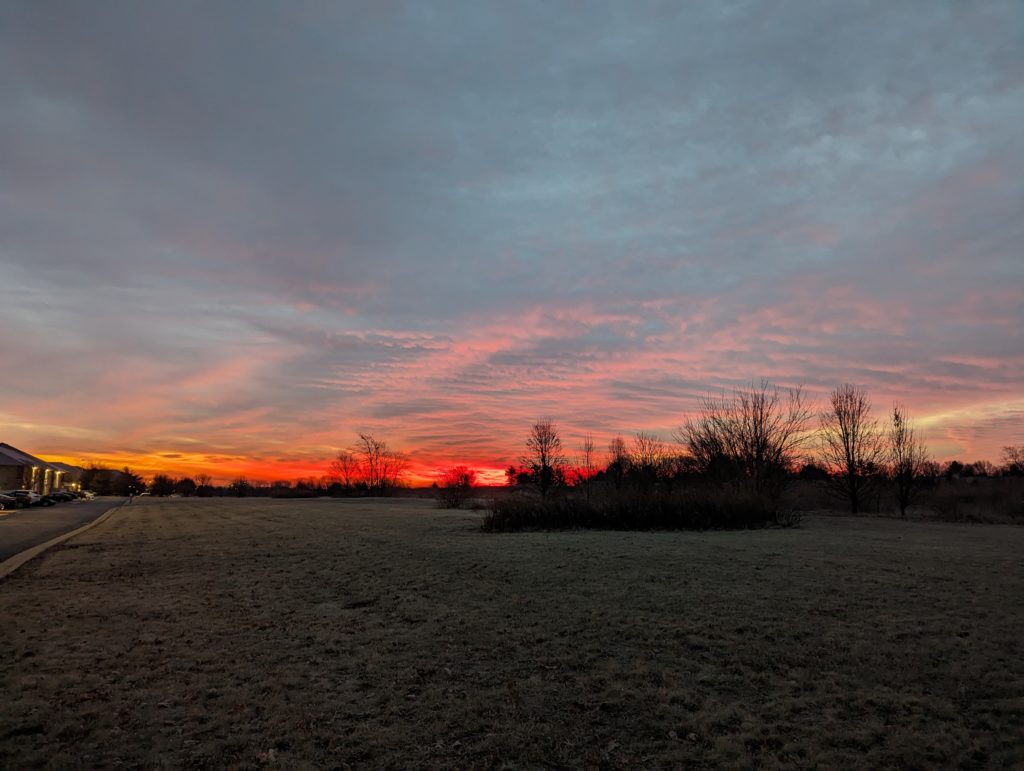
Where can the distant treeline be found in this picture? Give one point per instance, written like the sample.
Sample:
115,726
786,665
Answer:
106,481
370,467
731,463
201,486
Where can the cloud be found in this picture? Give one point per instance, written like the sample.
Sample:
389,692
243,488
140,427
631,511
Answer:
257,235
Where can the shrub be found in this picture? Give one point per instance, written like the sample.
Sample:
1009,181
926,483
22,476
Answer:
788,518
691,509
978,500
455,487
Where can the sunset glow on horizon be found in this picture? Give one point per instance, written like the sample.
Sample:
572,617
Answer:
229,245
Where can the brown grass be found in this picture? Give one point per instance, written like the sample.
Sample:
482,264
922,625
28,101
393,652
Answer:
360,633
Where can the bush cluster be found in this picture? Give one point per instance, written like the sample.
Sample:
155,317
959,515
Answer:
978,500
691,509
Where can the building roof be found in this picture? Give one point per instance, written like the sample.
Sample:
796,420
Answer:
22,458
10,460
66,467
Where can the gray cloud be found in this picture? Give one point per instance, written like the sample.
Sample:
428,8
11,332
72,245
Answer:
347,193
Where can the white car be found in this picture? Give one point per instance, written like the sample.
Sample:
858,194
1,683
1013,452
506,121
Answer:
26,497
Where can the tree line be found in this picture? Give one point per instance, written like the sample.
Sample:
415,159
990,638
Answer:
107,481
369,467
756,440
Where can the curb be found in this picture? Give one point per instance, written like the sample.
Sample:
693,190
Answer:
11,564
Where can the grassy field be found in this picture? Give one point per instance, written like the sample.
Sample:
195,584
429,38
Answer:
282,634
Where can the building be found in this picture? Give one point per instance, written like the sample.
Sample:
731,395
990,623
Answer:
72,479
21,471
12,472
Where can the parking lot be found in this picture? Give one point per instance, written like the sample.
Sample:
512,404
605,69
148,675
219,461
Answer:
24,528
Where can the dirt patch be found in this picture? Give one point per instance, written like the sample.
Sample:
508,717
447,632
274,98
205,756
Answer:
387,633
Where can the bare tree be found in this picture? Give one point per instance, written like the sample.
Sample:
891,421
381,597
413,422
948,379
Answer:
1013,460
908,458
587,463
455,486
984,468
646,457
852,445
708,438
371,454
646,450
756,435
381,468
345,469
394,468
618,461
204,485
544,455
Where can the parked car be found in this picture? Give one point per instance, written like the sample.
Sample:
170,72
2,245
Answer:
26,497
63,495
8,502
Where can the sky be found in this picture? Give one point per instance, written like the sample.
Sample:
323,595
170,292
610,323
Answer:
234,235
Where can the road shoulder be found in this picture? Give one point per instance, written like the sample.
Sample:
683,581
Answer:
11,564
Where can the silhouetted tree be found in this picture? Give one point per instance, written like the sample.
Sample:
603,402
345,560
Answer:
908,459
516,476
544,456
161,485
126,482
851,445
952,469
618,461
984,468
96,479
455,486
381,468
240,487
755,436
345,468
646,459
1013,460
587,464
204,485
105,481
811,471
185,486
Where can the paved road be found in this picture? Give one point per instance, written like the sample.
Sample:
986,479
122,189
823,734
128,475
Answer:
26,528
